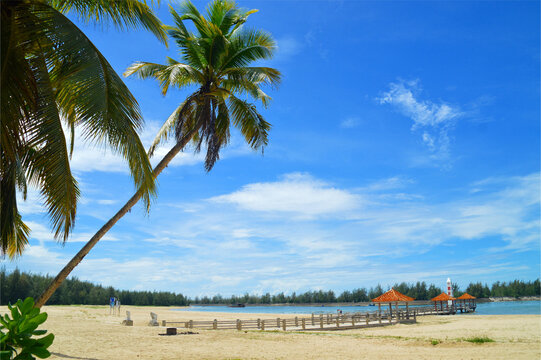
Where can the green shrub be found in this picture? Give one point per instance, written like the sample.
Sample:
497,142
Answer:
435,342
479,340
16,333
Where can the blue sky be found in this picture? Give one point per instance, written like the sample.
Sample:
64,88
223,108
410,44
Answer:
405,147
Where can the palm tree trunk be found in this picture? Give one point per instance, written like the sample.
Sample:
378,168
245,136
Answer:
62,275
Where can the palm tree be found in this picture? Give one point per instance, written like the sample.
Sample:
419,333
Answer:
215,61
45,61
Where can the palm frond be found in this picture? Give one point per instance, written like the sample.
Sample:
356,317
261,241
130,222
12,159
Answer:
248,46
13,231
47,158
175,74
123,14
144,70
189,12
251,124
220,135
187,42
258,75
173,121
104,107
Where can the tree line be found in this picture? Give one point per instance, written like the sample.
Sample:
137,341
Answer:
19,285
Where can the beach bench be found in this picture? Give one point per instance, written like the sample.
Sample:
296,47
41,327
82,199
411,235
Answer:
128,321
153,320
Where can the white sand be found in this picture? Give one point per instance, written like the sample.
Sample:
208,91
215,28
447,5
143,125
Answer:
89,332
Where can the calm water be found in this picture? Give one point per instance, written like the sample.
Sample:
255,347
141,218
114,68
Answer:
496,308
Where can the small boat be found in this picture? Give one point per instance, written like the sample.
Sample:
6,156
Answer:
237,305
371,304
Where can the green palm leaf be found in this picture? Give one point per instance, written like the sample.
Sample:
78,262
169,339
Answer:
217,59
45,61
212,60
250,123
123,14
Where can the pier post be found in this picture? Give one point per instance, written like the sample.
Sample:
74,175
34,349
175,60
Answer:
379,318
353,320
321,321
164,323
296,321
367,318
415,315
303,322
263,325
338,322
284,324
258,323
278,323
313,323
239,325
407,311
215,324
190,324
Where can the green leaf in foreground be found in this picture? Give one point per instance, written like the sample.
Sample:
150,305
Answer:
18,333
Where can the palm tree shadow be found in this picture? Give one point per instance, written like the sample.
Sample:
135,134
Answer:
71,357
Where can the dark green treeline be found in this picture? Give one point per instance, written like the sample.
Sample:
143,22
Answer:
19,285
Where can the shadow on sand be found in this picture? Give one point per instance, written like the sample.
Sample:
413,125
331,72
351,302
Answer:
71,357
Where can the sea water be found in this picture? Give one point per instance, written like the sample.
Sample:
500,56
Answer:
492,308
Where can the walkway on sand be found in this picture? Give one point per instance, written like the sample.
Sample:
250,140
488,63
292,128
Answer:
315,322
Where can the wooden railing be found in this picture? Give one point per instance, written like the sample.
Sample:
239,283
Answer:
313,322
327,321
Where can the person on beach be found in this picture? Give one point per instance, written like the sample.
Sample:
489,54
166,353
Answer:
111,305
118,306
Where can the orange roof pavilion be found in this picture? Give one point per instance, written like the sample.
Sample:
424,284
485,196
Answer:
392,296
442,297
466,296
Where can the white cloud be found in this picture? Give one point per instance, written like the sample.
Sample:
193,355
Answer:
350,122
287,47
298,194
88,157
383,238
434,120
43,233
106,202
32,204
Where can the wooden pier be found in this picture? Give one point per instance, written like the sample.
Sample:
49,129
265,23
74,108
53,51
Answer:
314,322
323,322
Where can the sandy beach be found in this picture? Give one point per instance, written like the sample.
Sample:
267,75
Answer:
89,332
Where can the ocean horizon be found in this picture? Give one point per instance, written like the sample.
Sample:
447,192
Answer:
484,308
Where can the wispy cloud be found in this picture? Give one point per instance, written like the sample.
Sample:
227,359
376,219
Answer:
350,122
88,158
288,47
297,193
433,120
317,235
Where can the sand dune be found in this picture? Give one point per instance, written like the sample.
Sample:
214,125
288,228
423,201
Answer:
89,332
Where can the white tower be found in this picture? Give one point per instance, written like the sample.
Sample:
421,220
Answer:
449,291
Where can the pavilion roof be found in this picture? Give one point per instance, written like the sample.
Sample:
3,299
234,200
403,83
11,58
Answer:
466,296
442,297
392,296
